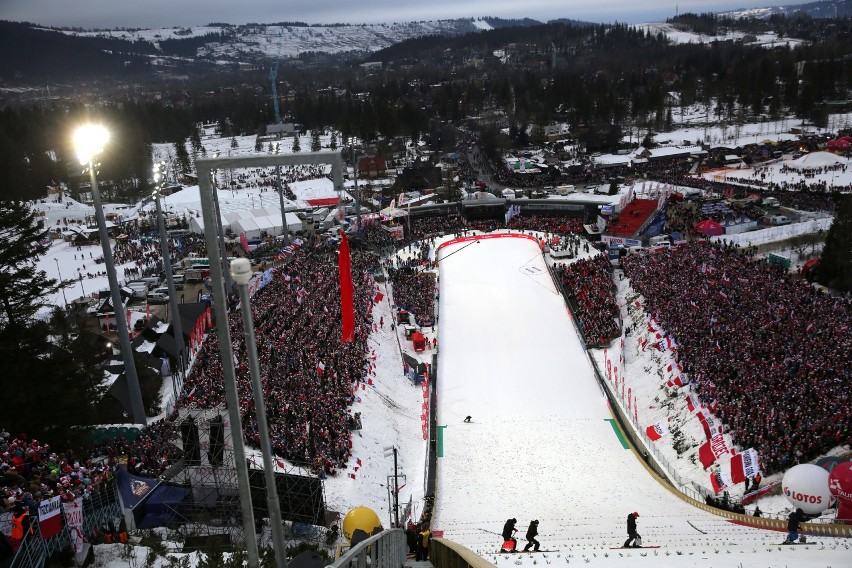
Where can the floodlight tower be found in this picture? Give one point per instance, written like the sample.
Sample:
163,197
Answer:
89,140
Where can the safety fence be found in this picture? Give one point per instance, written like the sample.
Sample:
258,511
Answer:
447,554
99,508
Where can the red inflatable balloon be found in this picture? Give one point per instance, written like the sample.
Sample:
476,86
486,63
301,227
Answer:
840,486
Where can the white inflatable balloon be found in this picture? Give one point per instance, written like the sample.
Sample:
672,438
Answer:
806,486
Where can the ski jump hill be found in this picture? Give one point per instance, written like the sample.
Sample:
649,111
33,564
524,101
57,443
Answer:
542,443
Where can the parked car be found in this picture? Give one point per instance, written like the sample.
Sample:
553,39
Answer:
158,298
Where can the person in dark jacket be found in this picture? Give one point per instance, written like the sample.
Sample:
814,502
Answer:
631,530
793,521
532,531
509,531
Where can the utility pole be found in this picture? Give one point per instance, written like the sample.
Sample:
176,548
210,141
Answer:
395,503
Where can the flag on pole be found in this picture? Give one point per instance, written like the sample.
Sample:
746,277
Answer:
347,308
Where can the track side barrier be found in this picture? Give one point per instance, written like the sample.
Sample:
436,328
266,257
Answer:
445,553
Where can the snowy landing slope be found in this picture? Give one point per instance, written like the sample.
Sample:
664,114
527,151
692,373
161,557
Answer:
541,445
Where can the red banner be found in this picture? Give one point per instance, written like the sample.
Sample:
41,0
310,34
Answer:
49,518
708,423
744,466
347,308
712,449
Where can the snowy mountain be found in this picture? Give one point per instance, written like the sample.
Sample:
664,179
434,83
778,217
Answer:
825,9
290,39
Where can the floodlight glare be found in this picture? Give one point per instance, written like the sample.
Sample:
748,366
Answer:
89,141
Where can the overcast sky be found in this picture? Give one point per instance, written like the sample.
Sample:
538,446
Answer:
168,13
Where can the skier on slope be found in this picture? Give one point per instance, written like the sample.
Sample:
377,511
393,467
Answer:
509,531
632,535
532,531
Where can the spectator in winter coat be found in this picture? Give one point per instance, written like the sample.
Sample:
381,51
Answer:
423,543
532,531
631,530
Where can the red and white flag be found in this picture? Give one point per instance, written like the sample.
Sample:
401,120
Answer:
658,430
691,403
708,423
320,367
678,381
74,522
49,518
720,481
378,297
744,466
712,450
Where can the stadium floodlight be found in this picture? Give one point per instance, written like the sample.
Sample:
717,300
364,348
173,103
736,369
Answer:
89,141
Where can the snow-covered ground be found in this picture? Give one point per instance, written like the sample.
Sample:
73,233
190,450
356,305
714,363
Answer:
768,40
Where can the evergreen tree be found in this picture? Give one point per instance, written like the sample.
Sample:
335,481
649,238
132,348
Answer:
234,142
182,157
195,140
333,142
315,141
22,287
296,146
835,269
46,388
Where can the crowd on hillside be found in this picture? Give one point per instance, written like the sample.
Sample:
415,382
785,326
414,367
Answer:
589,284
413,289
31,471
310,377
775,354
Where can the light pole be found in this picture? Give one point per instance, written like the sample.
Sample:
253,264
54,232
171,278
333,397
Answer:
355,179
81,284
89,141
64,299
177,327
224,259
281,200
241,273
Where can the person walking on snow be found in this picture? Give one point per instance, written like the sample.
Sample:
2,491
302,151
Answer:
509,531
793,521
631,530
532,531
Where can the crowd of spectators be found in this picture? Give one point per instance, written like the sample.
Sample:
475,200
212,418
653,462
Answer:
375,234
149,454
413,288
310,376
589,284
561,225
31,471
431,226
774,354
